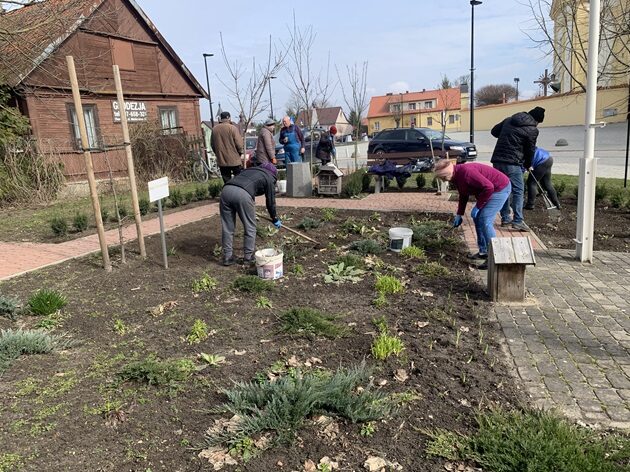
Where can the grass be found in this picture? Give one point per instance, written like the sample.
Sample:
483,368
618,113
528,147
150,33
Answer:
157,372
386,345
252,284
532,441
45,302
310,323
15,343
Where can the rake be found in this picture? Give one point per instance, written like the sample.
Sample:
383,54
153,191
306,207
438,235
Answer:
302,235
553,210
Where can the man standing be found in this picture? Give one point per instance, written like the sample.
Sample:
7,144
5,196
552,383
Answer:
266,146
237,198
293,140
227,144
513,152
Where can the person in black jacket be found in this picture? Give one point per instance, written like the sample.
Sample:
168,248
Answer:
326,146
237,198
514,151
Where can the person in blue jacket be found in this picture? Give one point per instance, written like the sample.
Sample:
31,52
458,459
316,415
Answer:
292,139
541,169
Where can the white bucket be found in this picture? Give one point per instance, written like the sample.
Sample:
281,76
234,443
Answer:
269,264
282,186
399,238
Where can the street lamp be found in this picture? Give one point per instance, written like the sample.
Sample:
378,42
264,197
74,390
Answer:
472,68
205,61
516,81
270,99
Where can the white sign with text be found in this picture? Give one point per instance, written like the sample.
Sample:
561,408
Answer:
136,111
158,189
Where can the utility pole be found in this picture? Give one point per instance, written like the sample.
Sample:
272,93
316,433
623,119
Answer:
205,61
516,81
472,68
270,97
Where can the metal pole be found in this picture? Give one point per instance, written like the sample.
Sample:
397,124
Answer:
625,175
588,165
270,99
162,234
472,69
205,61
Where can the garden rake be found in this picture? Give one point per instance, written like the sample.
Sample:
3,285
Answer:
296,232
553,210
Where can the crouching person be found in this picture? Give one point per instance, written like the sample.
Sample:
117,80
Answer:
490,187
237,198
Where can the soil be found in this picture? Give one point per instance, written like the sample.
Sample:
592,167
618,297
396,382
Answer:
49,403
612,226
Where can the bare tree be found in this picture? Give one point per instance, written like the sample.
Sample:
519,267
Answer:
448,100
493,94
395,105
355,97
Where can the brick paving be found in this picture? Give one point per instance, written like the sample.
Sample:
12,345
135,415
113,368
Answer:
569,341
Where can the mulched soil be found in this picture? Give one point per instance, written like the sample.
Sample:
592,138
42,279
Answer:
49,403
612,226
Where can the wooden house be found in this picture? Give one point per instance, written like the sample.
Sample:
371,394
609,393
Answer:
159,89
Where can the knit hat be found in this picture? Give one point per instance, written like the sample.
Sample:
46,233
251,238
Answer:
333,129
269,167
538,114
225,115
269,122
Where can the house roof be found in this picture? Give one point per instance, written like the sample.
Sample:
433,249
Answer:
39,29
325,116
446,99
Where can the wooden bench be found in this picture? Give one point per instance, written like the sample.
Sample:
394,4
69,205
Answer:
507,260
379,183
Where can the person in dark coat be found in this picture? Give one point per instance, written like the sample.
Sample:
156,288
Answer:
237,198
227,144
266,146
325,150
514,151
541,171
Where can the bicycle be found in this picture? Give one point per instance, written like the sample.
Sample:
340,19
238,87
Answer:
202,168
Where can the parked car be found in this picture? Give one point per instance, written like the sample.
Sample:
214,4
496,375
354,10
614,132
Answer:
415,143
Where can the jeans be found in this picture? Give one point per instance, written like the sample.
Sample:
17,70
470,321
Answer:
484,222
543,175
236,201
515,174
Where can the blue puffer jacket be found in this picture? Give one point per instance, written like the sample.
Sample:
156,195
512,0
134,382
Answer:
540,156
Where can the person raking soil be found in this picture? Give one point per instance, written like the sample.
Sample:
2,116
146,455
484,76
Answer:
540,171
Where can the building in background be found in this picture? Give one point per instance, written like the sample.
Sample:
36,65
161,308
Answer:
325,118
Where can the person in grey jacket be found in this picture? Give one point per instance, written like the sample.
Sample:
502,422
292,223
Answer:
237,198
266,146
514,151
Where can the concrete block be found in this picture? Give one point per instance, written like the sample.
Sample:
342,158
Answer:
299,180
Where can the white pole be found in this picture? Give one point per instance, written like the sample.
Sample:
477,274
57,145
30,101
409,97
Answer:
588,165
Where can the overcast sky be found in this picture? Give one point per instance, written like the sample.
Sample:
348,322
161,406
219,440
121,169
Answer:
408,44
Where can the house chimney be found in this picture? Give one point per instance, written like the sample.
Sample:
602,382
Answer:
388,94
424,90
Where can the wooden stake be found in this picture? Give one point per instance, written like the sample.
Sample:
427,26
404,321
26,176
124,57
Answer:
130,166
85,144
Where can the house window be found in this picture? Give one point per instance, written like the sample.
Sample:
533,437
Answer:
377,126
168,120
396,107
91,125
428,104
429,121
412,106
451,119
122,54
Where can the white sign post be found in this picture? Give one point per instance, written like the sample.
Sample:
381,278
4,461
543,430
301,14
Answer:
158,189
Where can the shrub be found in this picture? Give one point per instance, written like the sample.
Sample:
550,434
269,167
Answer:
189,197
176,198
601,192
430,235
201,193
401,181
9,307
157,372
59,226
104,214
617,198
252,284
45,302
308,223
214,188
15,343
421,180
309,322
560,186
80,222
353,183
340,273
123,211
366,247
145,206
351,260
576,191
413,252
198,332
366,181
388,285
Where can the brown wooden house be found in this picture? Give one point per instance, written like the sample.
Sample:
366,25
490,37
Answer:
98,33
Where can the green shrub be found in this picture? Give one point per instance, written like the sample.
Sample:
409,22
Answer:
366,181
104,214
413,252
367,246
189,197
310,323
176,198
214,188
157,372
145,206
45,302
80,222
431,235
59,226
576,191
123,211
308,223
601,192
201,193
560,186
353,183
421,180
351,260
617,198
388,285
401,181
252,284
198,332
9,307
15,343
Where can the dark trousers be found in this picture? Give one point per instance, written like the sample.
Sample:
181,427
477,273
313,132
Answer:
543,175
236,201
228,172
515,174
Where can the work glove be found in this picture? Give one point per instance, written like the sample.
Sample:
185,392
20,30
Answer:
277,223
474,212
457,221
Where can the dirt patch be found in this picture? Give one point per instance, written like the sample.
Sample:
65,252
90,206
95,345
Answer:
69,409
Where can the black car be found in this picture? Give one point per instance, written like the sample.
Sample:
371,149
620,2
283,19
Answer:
415,143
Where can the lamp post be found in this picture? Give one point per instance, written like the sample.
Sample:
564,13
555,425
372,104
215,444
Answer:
205,61
270,99
516,81
472,68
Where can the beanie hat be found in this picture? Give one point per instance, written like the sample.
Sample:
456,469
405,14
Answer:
538,114
269,167
269,122
225,115
333,129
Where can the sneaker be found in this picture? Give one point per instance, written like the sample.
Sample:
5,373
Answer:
228,261
477,256
506,223
483,266
520,226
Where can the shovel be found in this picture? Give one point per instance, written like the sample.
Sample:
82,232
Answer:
553,210
301,235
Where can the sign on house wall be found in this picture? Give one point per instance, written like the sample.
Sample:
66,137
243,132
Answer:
136,111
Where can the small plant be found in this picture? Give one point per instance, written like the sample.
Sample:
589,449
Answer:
198,332
388,285
368,429
120,327
189,197
560,186
413,252
201,193
367,246
386,345
213,360
123,211
252,284
340,273
80,222
308,223
217,250
172,251
104,214
421,181
601,192
205,283
263,302
380,301
353,183
9,462
9,307
244,447
176,198
618,198
328,214
157,372
351,260
298,270
59,226
144,206
430,234
52,321
309,322
433,270
15,343
214,188
45,301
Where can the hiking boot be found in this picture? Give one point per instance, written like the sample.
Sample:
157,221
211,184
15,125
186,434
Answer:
528,207
249,261
477,256
520,226
228,261
483,266
506,223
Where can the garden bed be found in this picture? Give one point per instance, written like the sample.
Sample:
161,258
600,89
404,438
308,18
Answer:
89,406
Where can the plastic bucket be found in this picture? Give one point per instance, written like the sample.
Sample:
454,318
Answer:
399,238
282,186
269,264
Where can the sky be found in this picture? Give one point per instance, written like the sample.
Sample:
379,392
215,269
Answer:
408,44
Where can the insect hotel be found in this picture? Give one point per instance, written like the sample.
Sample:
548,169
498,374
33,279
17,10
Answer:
329,180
